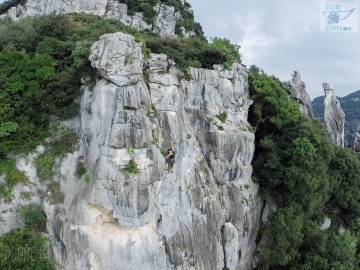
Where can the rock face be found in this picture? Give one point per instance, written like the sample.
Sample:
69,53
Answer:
334,117
164,24
166,20
204,215
356,145
351,107
298,92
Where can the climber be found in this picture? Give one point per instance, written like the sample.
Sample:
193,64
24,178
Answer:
170,158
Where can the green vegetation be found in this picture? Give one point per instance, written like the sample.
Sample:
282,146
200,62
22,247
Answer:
34,217
80,170
87,178
44,166
146,7
130,150
26,195
306,176
219,127
42,60
131,168
222,116
252,129
195,51
25,248
63,140
56,196
12,178
155,137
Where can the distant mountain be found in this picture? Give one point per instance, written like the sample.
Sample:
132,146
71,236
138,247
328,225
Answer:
351,107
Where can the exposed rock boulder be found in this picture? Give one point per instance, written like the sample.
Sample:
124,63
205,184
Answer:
326,225
231,246
165,20
118,58
298,92
351,108
157,219
334,116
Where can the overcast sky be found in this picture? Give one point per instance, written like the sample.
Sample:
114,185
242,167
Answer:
281,36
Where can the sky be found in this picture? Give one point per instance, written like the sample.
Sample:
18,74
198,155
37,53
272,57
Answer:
281,36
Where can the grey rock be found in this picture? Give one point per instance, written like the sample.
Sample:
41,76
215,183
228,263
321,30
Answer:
356,145
231,246
298,92
326,224
165,20
334,116
164,23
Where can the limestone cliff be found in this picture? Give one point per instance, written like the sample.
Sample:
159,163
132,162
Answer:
204,215
164,24
298,93
356,144
334,117
350,106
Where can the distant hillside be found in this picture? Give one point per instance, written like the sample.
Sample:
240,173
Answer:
351,106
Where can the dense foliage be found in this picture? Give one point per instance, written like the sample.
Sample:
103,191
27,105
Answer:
25,248
34,217
306,176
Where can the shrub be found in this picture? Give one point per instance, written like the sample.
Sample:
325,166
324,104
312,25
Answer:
13,177
210,56
44,166
231,51
80,170
87,178
24,249
155,140
221,128
63,141
26,195
34,217
222,116
131,168
56,198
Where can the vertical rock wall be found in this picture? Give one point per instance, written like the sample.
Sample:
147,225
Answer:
334,116
298,93
203,215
